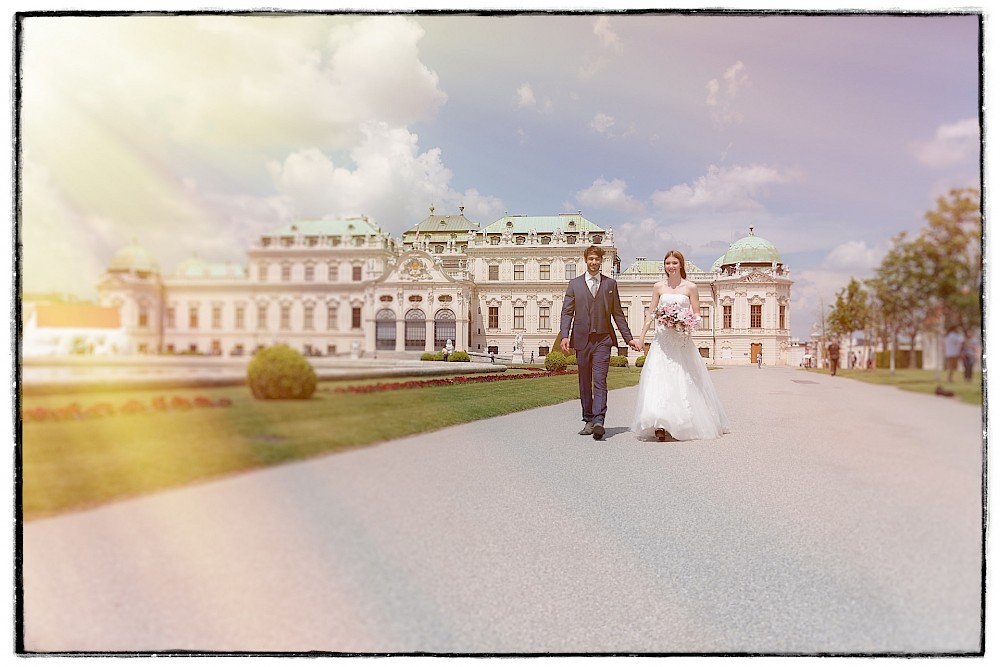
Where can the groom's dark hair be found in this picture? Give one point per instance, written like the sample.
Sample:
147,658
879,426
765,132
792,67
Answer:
594,250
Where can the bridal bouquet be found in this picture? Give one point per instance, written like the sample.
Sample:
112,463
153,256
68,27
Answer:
677,317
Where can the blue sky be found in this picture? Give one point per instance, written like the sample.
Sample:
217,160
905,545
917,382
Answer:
829,134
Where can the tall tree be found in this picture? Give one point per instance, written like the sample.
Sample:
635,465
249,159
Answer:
850,312
953,241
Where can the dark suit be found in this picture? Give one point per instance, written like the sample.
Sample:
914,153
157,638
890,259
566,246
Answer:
586,323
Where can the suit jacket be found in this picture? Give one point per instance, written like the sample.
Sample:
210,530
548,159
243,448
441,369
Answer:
586,313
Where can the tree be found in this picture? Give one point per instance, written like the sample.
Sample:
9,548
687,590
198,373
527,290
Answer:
953,241
850,312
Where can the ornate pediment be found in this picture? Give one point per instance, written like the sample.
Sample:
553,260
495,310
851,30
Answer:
416,266
757,277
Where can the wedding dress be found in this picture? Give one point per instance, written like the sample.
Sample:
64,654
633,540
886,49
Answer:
675,392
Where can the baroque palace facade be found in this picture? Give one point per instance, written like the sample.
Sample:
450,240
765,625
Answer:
345,287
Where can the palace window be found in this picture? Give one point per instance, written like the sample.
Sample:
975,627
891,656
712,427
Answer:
240,316
385,330
444,328
332,273
307,315
518,317
570,271
310,273
416,330
543,318
494,321
494,272
143,316
262,316
356,273
356,317
286,272
331,317
781,318
543,271
519,272
704,317
171,317
727,317
286,317
755,316
216,317
192,317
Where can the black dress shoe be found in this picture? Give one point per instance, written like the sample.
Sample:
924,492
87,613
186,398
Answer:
598,431
587,430
661,435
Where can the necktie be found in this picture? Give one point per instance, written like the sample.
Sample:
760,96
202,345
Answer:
593,285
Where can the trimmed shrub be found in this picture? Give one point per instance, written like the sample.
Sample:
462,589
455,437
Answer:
555,361
459,355
619,361
429,356
640,361
571,360
279,371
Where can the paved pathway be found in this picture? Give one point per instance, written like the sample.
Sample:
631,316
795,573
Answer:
837,517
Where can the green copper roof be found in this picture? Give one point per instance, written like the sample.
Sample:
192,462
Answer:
442,227
569,223
751,249
654,267
195,267
133,258
338,227
718,263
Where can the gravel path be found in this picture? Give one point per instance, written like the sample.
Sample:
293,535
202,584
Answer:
838,517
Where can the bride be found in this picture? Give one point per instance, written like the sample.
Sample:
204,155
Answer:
676,396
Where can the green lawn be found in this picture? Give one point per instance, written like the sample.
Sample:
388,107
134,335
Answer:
919,380
76,463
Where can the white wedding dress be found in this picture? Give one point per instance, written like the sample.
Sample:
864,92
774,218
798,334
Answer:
675,392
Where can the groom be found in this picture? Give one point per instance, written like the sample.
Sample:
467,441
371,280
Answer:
590,303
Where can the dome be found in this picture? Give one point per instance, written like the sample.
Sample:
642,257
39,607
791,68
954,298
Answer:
193,267
751,250
718,263
134,258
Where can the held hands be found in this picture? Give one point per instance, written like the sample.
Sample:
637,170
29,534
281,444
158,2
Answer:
635,345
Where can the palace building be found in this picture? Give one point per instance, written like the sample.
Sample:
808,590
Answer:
345,287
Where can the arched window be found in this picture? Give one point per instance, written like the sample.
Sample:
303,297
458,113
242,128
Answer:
385,330
444,328
416,330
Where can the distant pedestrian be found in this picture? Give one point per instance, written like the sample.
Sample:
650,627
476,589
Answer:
760,360
493,358
834,353
532,357
970,350
952,350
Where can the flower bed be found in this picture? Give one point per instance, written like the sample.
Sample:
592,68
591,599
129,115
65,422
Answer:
437,382
130,407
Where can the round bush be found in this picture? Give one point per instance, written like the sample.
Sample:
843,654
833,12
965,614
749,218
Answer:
459,355
279,371
555,361
640,361
619,361
427,356
571,360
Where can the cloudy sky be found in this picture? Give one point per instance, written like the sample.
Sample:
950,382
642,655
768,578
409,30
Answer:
193,134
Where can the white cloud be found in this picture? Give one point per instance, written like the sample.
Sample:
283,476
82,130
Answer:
525,98
606,194
609,39
391,181
602,123
953,144
721,99
853,256
735,187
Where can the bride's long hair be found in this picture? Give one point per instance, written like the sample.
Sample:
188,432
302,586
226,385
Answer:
680,256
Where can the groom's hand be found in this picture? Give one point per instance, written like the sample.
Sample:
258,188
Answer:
635,345
564,343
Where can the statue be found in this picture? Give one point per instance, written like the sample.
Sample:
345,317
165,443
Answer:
518,356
